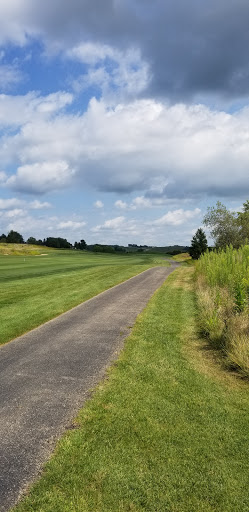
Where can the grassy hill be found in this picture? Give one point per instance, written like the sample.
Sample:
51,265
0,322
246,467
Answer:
23,250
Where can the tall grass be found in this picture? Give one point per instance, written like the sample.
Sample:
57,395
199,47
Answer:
223,294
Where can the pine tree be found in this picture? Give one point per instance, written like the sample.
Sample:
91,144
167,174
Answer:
199,244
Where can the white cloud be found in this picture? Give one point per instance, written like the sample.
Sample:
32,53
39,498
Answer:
121,204
7,204
115,72
38,205
141,202
115,223
14,203
166,151
98,204
41,177
17,212
92,53
176,217
9,75
19,110
70,224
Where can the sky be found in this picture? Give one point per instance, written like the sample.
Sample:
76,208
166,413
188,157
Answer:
121,121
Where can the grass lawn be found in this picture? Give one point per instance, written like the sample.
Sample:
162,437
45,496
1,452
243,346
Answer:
167,431
34,289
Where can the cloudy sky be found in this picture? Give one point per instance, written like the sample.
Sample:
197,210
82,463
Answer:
121,120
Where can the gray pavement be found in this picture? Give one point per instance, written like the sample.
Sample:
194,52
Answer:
46,375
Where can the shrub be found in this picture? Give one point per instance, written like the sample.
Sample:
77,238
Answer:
222,279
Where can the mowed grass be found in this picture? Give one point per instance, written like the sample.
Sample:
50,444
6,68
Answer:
162,433
34,289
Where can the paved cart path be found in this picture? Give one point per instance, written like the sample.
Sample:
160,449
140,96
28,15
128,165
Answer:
46,374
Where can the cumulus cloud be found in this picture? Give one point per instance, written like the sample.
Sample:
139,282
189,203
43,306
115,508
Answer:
175,151
115,223
13,204
41,177
113,71
121,230
21,109
38,205
98,204
7,204
17,212
176,217
121,204
70,224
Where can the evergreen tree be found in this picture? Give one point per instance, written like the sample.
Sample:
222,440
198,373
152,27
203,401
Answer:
199,244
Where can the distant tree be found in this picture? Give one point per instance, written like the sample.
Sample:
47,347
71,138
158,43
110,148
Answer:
14,238
199,244
103,248
223,225
119,248
3,239
58,243
80,245
32,240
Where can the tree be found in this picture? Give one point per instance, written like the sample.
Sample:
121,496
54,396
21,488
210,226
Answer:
14,238
31,240
58,243
80,245
103,248
3,239
223,225
199,244
243,222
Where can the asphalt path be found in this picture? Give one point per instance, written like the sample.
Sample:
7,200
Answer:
47,374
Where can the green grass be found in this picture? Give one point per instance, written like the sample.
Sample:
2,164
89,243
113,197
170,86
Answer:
162,433
34,289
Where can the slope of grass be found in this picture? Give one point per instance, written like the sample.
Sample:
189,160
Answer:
34,289
160,434
23,249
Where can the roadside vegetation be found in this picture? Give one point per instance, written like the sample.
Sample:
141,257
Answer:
181,258
164,432
34,289
223,296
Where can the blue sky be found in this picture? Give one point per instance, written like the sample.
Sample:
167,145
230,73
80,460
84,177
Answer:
120,121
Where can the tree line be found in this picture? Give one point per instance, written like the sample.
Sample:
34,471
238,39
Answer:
14,237
226,228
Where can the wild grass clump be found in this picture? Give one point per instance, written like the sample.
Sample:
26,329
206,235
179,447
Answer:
23,249
223,296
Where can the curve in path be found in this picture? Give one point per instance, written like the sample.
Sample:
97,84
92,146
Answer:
46,375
